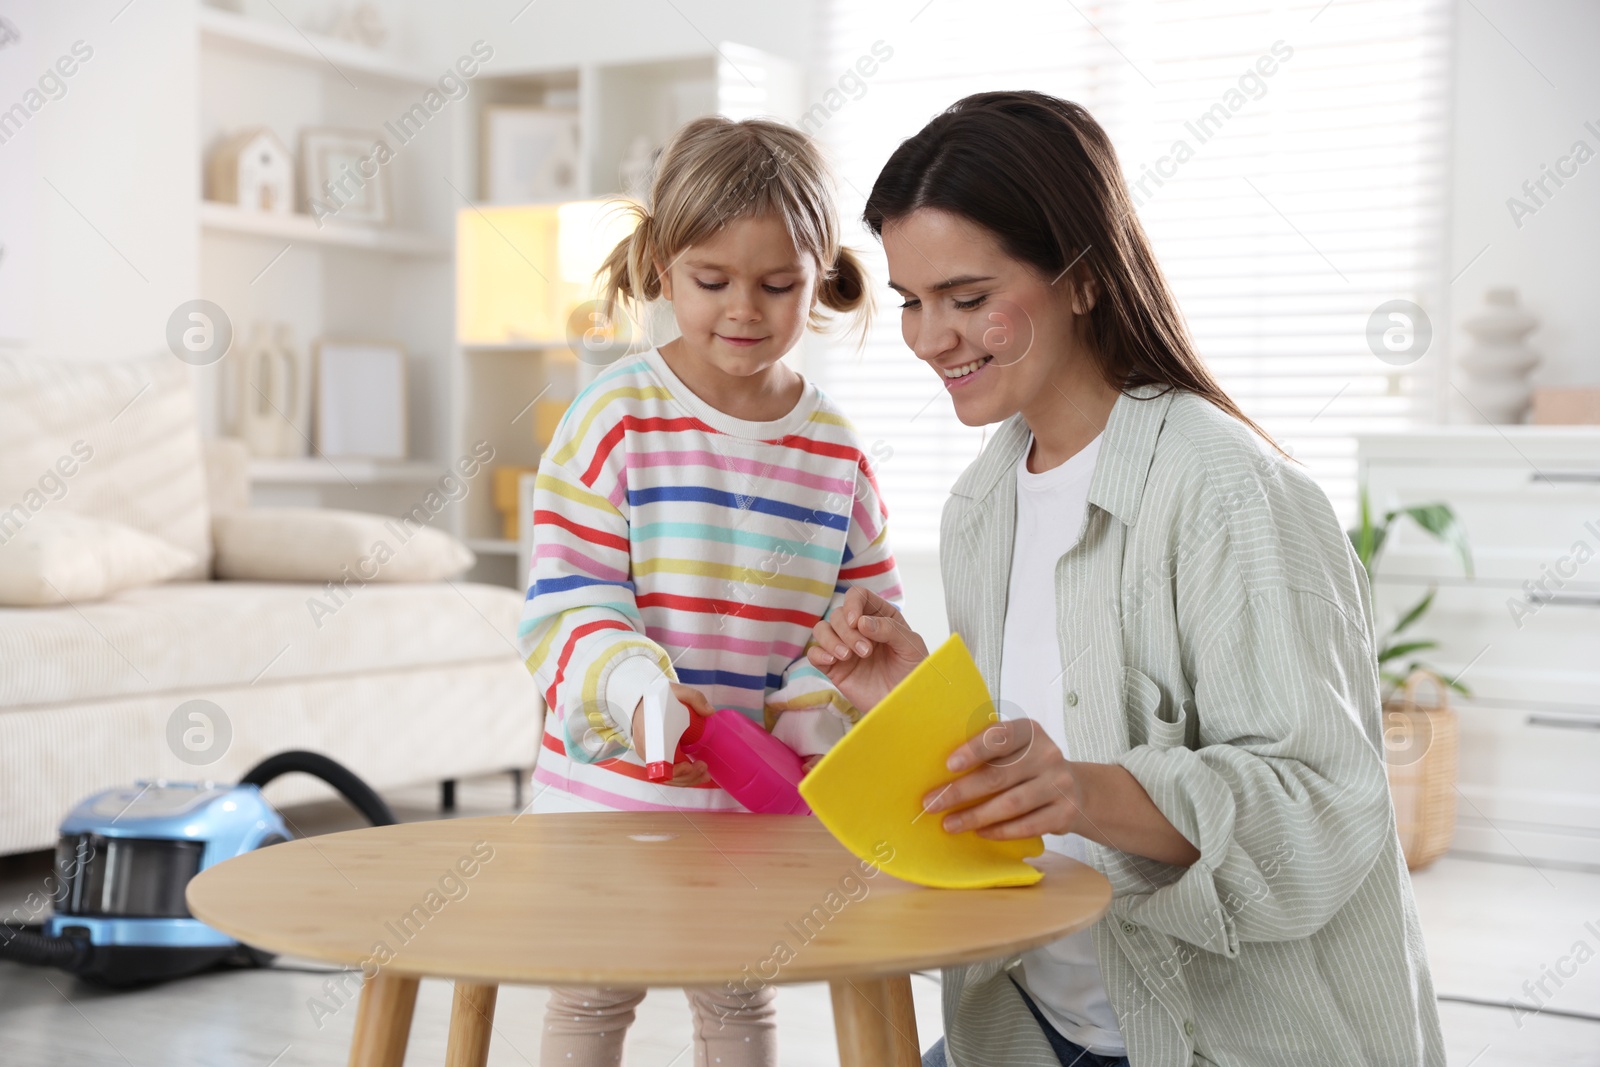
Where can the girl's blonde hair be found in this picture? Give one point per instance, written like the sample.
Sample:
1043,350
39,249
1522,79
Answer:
715,170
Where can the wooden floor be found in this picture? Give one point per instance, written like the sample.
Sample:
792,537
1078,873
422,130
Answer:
1490,927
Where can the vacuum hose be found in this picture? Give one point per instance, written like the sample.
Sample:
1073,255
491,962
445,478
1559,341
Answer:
358,793
69,954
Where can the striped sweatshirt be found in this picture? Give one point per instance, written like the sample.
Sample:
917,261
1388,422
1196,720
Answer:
673,539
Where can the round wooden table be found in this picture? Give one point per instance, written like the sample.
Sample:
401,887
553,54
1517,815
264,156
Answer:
625,900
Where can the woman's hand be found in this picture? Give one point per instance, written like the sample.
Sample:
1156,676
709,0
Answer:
865,648
1024,786
1030,786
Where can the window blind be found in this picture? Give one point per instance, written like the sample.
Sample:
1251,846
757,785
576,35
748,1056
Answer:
1286,158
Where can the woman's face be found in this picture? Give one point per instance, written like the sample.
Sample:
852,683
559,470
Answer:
992,328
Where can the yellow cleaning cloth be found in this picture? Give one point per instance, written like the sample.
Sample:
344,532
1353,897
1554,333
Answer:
868,789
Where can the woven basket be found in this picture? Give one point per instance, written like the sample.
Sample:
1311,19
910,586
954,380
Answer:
1419,742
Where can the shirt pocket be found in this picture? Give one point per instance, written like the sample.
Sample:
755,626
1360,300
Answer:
1153,719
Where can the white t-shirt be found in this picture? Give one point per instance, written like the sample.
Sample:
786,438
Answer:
1063,977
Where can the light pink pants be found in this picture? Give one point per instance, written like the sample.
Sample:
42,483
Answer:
585,1027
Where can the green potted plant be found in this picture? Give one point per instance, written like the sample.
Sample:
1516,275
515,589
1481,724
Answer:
1419,739
1396,654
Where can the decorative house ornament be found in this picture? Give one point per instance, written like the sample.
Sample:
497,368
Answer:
1494,369
254,170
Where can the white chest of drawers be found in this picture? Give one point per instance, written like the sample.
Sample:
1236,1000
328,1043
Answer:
1523,633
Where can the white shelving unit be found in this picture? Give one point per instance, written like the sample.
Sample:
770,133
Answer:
339,279
218,218
530,345
283,43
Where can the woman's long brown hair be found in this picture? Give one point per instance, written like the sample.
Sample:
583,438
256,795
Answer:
1040,174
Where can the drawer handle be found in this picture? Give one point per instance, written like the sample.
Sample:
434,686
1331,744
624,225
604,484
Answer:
1565,600
1566,477
1563,724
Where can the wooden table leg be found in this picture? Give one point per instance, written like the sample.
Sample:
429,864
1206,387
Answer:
471,1023
383,1021
875,1023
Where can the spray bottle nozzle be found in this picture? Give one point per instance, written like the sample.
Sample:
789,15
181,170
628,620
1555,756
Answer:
665,722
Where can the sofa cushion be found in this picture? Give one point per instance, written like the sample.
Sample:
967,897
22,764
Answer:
329,545
227,465
61,558
195,635
110,440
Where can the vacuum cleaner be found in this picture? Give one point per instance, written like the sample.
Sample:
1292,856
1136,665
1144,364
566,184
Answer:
126,855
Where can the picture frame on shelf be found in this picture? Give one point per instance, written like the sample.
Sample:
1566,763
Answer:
530,154
360,399
342,177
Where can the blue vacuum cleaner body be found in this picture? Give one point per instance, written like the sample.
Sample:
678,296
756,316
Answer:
125,857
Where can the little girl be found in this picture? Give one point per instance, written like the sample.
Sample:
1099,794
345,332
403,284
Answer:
701,506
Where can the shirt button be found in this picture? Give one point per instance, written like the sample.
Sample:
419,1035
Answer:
1130,928
1188,1027
1072,698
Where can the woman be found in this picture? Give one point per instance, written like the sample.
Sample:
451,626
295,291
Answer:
1174,608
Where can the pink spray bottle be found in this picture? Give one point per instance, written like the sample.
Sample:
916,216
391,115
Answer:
757,769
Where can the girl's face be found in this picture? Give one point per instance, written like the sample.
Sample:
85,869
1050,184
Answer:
1001,337
742,296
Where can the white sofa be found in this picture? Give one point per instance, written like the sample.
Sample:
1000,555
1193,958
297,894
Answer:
404,683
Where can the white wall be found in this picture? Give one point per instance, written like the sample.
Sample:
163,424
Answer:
113,219
1526,82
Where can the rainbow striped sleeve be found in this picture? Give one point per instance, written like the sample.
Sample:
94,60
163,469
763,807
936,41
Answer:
582,618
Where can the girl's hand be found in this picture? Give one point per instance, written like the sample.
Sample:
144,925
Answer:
684,774
687,774
865,648
694,773
691,698
1030,786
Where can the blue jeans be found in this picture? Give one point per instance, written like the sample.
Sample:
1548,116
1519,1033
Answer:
1069,1054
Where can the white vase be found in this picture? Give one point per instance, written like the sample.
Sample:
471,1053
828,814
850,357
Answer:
269,395
1492,374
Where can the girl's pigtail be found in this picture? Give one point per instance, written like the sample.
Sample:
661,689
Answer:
844,289
628,276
